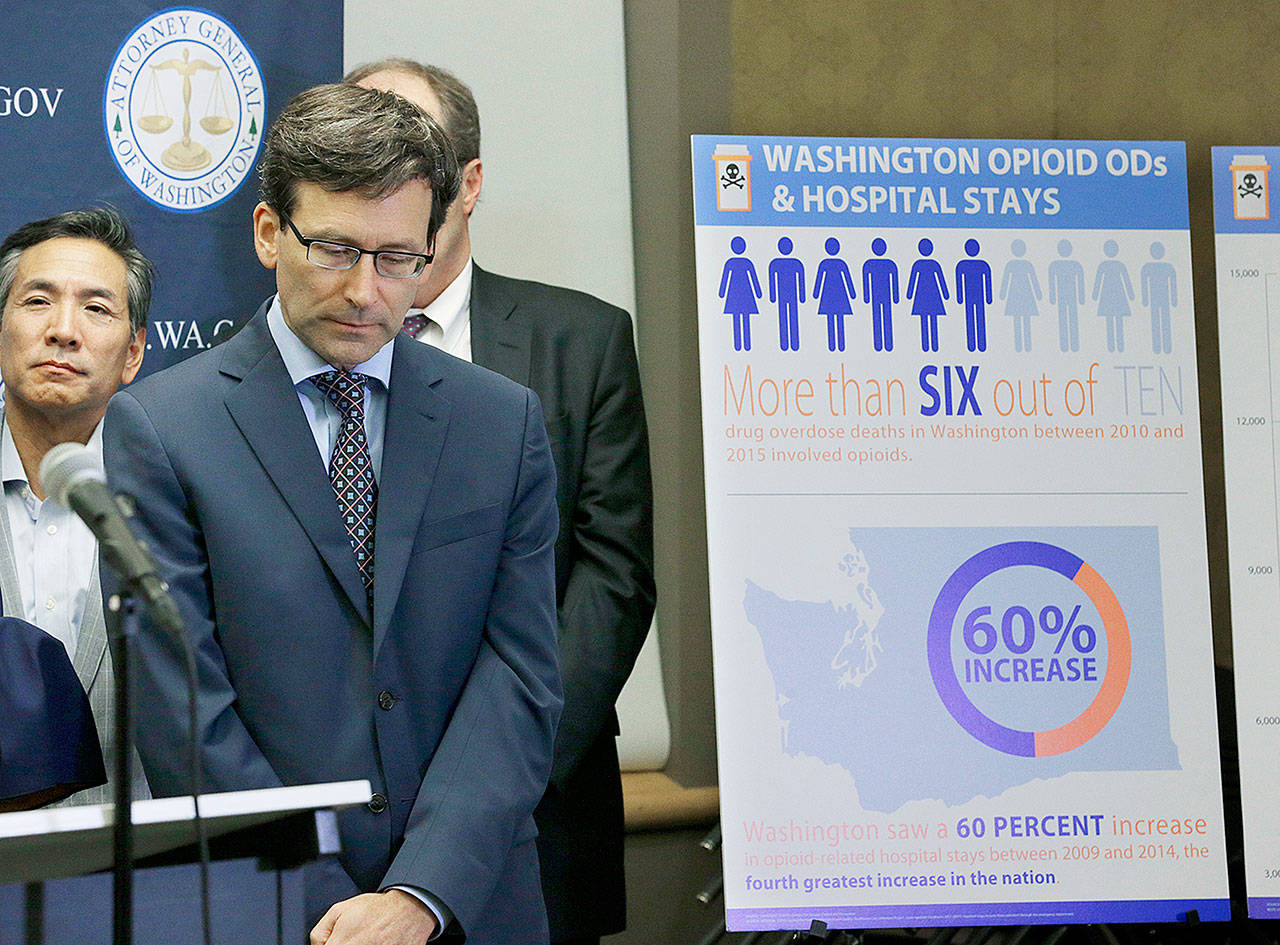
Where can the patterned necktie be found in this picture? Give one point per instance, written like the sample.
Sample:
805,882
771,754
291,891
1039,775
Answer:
414,325
351,467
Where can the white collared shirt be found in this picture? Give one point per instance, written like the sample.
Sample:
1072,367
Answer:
53,549
450,314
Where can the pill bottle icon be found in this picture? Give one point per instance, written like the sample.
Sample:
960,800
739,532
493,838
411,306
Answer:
1249,187
733,177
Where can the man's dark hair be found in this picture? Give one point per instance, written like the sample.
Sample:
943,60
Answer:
346,138
457,104
102,224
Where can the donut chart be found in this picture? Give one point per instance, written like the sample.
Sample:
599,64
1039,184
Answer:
1031,744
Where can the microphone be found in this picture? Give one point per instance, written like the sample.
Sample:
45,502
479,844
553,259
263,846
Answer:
73,476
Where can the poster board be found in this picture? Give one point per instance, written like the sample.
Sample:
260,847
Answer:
955,513
1247,246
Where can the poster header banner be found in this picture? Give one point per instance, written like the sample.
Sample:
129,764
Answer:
744,180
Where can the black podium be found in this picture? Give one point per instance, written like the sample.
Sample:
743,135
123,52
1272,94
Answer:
52,890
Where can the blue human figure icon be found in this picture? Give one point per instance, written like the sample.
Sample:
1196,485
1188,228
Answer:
973,290
1160,294
834,291
740,288
880,288
1113,292
1020,290
927,288
1066,290
786,287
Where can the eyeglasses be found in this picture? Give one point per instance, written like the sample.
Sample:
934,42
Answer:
390,263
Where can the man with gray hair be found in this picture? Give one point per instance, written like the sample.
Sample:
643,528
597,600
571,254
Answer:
359,533
74,293
577,353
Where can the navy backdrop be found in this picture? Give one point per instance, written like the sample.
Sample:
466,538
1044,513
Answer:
159,110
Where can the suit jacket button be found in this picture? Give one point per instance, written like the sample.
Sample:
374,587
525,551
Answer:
378,803
386,700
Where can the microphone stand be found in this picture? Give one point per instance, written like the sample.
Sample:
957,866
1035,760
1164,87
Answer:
122,618
77,481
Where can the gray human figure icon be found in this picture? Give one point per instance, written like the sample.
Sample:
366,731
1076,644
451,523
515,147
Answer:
1160,294
1066,290
786,287
1020,290
1113,292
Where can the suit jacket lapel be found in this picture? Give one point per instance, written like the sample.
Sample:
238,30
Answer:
499,341
417,421
265,407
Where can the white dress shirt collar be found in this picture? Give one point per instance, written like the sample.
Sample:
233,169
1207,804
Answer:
451,310
11,462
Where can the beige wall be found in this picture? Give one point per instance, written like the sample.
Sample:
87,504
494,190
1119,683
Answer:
678,83
549,82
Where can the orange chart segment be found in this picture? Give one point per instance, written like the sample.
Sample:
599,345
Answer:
1084,726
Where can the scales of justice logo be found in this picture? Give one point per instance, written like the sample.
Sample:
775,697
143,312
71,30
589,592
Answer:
183,108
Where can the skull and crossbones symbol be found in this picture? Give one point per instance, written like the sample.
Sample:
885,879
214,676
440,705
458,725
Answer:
732,177
1249,186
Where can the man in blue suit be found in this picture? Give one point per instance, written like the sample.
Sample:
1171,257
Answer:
359,532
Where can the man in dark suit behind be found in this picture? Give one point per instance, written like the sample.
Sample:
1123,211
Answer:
391,617
576,352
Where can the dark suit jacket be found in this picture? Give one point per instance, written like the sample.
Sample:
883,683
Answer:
48,745
445,698
576,353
